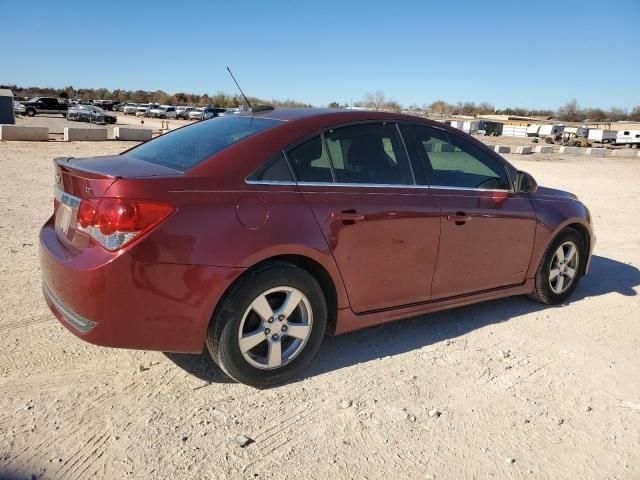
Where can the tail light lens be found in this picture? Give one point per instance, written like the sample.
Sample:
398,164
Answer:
114,222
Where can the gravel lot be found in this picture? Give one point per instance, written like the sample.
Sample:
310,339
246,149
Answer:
506,389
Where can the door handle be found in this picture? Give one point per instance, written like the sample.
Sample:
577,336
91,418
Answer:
460,218
350,216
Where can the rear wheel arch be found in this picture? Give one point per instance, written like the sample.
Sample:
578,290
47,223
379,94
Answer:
311,266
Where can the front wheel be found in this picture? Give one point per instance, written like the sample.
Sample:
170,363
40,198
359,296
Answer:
561,268
269,326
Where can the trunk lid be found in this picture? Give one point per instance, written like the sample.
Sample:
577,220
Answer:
77,179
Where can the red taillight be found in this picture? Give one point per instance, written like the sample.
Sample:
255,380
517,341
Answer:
86,212
114,222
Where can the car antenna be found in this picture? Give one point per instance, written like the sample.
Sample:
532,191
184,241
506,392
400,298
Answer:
236,82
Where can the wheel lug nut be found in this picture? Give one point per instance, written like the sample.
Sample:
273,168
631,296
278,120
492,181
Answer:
267,331
270,320
281,317
284,328
275,336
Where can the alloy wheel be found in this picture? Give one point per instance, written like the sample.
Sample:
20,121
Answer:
275,328
564,267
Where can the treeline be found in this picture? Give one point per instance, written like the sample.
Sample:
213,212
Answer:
142,96
570,112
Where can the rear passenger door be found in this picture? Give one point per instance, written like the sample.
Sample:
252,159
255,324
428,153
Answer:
381,227
487,229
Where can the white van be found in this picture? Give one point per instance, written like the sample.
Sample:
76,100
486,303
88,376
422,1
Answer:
549,130
600,135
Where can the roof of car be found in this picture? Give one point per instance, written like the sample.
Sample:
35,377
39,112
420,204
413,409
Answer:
292,114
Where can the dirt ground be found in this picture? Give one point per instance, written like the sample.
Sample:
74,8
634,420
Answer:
524,391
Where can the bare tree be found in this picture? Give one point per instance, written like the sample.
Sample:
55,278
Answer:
440,107
570,112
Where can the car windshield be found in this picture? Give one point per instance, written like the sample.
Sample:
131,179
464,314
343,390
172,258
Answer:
184,148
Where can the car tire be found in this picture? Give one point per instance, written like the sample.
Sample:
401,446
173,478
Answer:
30,112
100,120
553,283
236,318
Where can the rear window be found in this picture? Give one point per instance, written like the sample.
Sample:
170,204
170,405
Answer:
184,148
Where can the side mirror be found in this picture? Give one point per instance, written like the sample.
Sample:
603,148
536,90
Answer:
525,183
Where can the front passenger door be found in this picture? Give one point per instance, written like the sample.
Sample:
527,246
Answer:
487,229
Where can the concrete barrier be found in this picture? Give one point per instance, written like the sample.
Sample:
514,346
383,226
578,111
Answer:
624,152
523,150
570,150
132,134
501,149
544,149
30,134
84,134
597,151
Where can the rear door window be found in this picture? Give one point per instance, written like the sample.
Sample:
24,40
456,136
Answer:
370,153
273,170
184,148
310,162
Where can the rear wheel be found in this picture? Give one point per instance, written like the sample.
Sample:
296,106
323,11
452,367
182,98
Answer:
561,268
269,326
30,112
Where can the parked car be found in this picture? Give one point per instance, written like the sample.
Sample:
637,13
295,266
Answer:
142,110
163,111
130,108
40,105
206,113
183,112
254,234
18,108
91,113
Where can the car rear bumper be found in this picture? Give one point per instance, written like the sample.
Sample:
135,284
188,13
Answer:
118,301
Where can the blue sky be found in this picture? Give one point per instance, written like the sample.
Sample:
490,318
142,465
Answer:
509,53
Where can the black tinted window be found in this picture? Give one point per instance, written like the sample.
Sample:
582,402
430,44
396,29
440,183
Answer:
273,170
184,148
310,162
368,153
451,161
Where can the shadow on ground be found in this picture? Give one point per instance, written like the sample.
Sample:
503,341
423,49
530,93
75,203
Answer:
605,276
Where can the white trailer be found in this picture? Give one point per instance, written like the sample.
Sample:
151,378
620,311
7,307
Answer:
577,131
532,130
470,127
550,130
600,135
628,137
514,131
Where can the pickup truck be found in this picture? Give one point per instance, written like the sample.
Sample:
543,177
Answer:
38,105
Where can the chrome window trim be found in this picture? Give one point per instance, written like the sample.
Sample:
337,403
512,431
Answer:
66,198
270,182
447,187
373,185
362,185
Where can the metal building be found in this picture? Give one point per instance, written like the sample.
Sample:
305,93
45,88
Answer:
7,116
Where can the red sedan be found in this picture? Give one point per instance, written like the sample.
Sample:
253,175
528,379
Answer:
255,234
